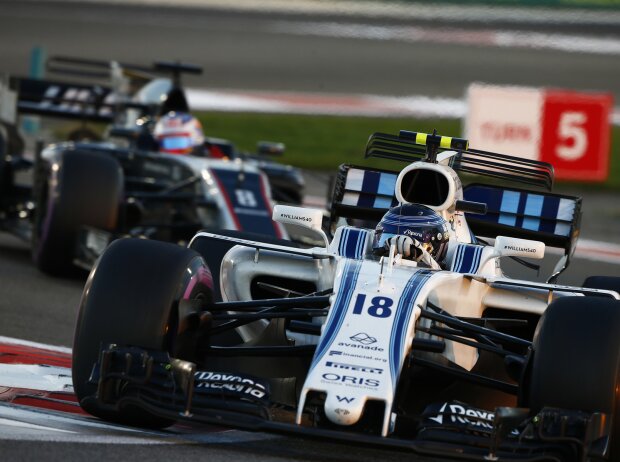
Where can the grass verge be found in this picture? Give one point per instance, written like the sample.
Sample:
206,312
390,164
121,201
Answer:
325,142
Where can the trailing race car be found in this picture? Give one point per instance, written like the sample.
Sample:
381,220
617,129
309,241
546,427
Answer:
86,193
406,335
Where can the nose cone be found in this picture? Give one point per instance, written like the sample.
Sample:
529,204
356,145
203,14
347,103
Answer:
344,410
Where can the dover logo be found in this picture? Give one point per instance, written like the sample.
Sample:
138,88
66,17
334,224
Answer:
363,338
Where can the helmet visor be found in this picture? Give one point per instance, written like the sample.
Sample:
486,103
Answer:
176,143
381,239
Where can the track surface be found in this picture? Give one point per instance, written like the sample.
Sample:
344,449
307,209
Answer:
255,51
242,50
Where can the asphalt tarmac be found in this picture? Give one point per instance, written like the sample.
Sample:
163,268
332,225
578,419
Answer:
267,51
243,50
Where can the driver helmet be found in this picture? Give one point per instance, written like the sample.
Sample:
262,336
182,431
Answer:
178,133
418,222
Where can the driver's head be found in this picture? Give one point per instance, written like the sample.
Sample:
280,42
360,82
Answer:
178,133
418,222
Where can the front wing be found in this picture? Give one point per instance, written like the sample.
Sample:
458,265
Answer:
175,389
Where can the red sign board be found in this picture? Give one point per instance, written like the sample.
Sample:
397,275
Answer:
575,134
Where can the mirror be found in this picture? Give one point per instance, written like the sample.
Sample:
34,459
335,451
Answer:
513,247
270,148
301,216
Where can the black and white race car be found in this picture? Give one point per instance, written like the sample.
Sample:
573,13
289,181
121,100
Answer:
443,357
86,193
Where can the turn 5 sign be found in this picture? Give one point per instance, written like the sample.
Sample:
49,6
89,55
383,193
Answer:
570,130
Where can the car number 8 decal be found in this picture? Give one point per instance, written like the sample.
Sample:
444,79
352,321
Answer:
246,198
379,306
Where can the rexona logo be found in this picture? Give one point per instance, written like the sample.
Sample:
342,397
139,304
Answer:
350,380
410,232
353,367
231,383
515,248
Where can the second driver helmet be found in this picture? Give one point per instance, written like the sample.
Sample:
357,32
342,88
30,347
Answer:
418,222
178,133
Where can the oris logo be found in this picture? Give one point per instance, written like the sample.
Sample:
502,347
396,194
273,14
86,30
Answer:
351,380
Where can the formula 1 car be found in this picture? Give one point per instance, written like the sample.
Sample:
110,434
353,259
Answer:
86,193
447,358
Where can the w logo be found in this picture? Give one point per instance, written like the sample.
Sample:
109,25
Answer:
345,399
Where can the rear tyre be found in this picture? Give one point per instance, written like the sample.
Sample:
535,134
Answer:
81,189
575,359
131,298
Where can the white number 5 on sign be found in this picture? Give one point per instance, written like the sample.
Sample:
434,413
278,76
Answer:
572,136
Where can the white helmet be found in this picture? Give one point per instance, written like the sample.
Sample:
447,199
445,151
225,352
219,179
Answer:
178,133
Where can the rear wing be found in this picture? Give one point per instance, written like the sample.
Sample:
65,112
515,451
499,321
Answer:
96,102
366,194
412,146
49,98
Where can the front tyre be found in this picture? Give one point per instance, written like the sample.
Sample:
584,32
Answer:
575,362
603,283
132,298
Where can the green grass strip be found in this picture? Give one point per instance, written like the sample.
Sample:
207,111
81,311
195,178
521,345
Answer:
325,142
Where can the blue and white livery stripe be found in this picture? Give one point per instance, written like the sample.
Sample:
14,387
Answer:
403,315
338,310
467,259
353,243
366,188
540,212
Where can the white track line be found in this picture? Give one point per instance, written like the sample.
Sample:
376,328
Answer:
394,10
365,105
481,37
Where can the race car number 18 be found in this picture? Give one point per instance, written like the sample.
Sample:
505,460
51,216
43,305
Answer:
379,306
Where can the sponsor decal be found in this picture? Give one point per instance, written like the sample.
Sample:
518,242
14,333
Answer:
350,380
340,411
345,399
235,384
363,347
358,356
363,338
514,248
410,232
353,367
459,414
288,216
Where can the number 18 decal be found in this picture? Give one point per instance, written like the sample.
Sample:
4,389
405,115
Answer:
379,306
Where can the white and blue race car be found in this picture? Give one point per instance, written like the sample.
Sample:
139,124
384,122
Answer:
441,356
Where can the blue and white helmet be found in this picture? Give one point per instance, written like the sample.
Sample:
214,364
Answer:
418,222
